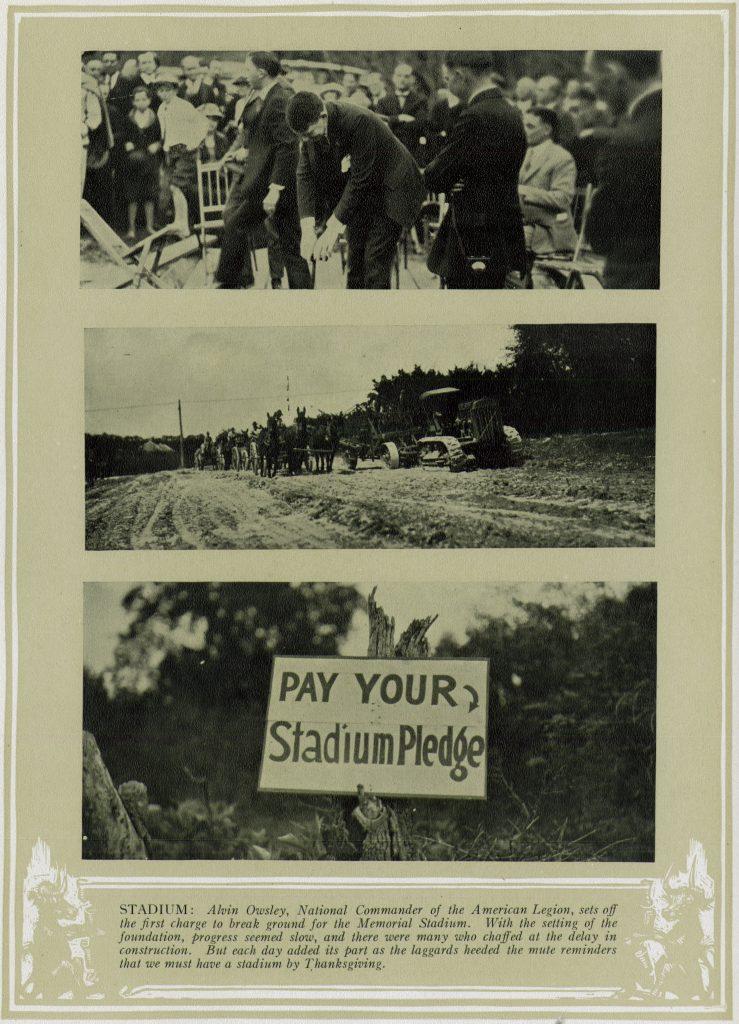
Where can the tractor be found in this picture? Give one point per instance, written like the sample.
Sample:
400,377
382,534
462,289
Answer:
460,435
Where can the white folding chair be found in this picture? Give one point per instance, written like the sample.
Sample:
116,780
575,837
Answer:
214,181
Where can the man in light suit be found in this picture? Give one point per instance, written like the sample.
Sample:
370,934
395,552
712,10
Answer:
355,176
546,186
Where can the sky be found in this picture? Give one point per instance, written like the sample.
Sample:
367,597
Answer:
456,604
229,377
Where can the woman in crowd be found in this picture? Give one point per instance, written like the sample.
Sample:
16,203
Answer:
142,143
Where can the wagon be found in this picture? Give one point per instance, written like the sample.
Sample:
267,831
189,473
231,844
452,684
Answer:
211,457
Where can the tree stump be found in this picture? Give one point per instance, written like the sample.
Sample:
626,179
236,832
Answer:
107,830
382,834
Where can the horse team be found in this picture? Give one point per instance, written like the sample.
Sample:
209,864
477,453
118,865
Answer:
306,445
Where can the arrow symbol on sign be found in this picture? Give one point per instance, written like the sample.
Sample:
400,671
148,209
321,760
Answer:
475,699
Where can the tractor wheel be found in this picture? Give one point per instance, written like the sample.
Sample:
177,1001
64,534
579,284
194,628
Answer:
457,458
351,461
515,446
390,455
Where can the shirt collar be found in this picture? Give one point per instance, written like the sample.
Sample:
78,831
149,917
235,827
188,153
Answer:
262,93
488,87
649,91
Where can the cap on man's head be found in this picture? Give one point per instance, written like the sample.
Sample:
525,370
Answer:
240,80
166,79
479,62
547,116
210,110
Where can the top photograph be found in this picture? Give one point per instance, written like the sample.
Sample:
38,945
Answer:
371,169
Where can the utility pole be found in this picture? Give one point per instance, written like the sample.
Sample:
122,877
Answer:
182,439
288,392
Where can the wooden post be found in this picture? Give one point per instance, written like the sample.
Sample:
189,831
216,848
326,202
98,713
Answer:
109,833
384,837
182,440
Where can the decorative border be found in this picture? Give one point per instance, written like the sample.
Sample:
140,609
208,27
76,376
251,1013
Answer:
55,905
383,8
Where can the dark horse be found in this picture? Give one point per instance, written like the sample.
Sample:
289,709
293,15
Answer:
296,444
271,445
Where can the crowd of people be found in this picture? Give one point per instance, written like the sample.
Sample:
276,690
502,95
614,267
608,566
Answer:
316,157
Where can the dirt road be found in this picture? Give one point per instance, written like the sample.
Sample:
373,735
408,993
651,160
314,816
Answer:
577,491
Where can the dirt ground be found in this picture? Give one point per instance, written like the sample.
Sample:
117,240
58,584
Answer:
593,490
189,271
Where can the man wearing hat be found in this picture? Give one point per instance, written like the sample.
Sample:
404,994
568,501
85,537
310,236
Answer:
265,194
215,144
183,130
481,237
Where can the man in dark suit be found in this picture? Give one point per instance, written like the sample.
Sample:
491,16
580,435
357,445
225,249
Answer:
406,111
267,186
481,237
353,176
624,221
194,88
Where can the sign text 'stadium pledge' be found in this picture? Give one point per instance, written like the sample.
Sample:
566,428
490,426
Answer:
396,727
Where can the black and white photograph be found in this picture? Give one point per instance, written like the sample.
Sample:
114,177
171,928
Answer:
368,437
469,169
230,721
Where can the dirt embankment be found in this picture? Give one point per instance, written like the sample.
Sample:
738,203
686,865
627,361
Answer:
592,490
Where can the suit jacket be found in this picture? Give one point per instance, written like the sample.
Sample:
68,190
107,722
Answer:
441,122
272,159
361,165
566,127
624,221
205,94
221,148
409,132
484,152
548,174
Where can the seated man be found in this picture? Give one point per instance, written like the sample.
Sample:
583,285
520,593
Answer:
546,186
354,176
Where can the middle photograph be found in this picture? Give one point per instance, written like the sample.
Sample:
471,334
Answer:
370,437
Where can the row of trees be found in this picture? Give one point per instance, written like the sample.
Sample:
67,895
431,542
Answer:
557,378
572,715
113,455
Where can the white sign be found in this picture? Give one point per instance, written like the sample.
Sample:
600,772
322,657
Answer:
398,727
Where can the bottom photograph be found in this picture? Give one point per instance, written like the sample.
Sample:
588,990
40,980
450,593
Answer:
349,722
